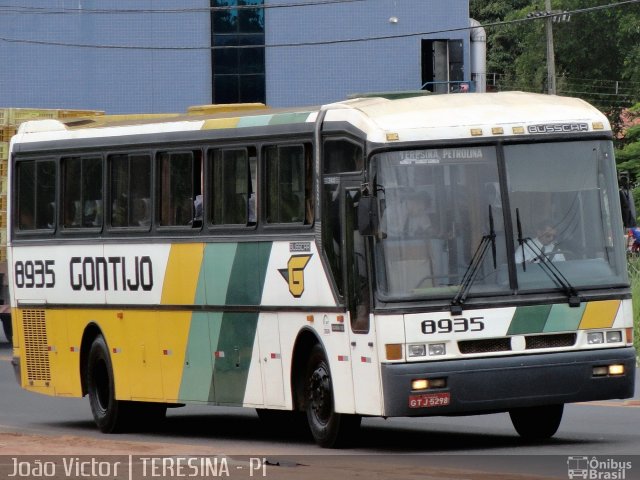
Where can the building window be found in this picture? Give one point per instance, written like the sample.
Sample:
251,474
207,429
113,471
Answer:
238,73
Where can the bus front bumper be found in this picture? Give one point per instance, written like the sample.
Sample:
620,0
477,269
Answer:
484,385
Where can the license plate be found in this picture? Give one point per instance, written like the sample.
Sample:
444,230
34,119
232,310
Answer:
428,400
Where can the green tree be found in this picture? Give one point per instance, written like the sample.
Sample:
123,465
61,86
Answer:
628,156
592,50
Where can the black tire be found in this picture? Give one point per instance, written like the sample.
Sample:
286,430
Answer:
109,414
328,428
537,423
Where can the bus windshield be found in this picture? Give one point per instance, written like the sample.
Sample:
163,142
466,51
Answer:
435,207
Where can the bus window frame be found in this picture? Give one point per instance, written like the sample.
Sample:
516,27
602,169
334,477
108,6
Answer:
308,146
78,231
108,199
156,175
349,139
208,187
15,203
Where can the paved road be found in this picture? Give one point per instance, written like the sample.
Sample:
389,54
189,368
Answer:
602,429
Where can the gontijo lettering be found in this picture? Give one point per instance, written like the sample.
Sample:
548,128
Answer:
111,273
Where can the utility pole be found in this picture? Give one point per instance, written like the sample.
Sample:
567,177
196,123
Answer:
551,60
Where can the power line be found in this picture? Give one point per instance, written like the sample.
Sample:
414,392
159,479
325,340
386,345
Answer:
317,43
30,10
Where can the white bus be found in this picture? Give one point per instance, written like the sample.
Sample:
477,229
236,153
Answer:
432,255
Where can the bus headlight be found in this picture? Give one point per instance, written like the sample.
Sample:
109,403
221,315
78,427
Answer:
417,350
595,338
436,349
614,336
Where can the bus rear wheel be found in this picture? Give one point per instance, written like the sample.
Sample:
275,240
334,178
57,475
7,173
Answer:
329,429
537,423
109,414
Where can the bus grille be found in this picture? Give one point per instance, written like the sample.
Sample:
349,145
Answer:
532,342
557,340
487,345
36,346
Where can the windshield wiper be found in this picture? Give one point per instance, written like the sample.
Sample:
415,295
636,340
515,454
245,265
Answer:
473,268
547,265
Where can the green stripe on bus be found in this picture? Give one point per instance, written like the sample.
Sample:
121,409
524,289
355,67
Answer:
529,319
564,318
197,376
257,121
204,332
285,118
238,330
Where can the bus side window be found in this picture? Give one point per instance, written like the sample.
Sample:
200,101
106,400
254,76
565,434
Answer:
340,156
232,187
82,192
130,179
36,195
178,187
286,182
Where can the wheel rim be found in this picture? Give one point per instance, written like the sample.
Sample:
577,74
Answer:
320,396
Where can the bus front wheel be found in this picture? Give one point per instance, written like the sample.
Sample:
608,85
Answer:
109,414
329,429
537,423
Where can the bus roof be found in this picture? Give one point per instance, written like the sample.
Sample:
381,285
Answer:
382,120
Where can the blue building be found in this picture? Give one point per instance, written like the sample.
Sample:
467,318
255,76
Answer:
148,56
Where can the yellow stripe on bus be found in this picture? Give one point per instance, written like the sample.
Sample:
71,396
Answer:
181,277
599,314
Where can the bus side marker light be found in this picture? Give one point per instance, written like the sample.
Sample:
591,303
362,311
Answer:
393,351
597,125
476,132
218,354
120,315
340,318
518,130
497,130
392,137
310,318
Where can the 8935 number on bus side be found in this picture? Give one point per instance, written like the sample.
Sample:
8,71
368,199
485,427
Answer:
34,274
